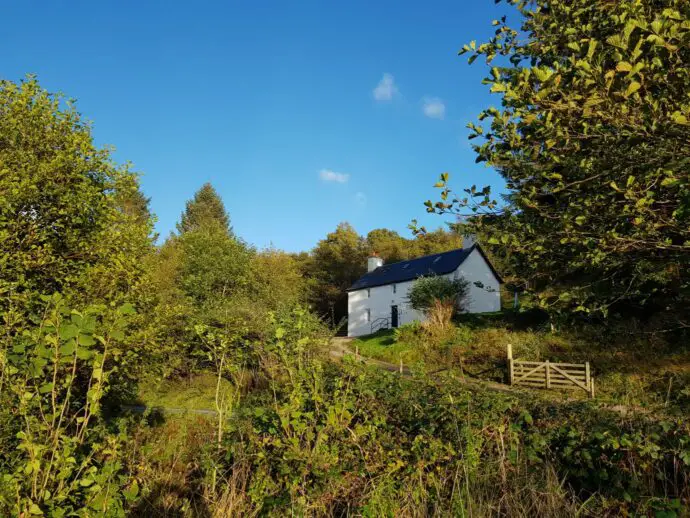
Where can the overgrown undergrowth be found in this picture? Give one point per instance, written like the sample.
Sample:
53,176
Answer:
352,441
634,365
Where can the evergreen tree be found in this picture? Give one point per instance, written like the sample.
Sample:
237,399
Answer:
205,208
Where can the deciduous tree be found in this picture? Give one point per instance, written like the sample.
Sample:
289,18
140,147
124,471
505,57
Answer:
64,223
592,138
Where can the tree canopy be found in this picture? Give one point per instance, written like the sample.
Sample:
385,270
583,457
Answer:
426,291
337,262
393,247
592,141
65,224
204,209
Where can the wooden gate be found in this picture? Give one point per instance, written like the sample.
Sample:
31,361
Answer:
550,375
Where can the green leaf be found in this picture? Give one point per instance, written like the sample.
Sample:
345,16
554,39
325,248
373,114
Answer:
117,334
86,340
679,118
131,492
68,331
68,347
84,354
632,88
126,309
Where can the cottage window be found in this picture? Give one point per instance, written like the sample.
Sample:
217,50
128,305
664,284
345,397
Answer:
368,315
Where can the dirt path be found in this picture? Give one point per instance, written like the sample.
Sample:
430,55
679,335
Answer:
340,346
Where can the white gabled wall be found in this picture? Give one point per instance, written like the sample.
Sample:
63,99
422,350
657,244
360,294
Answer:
487,298
481,300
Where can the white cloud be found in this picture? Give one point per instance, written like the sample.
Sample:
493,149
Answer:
434,108
331,176
361,198
386,89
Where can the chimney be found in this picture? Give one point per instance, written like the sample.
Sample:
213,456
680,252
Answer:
468,240
373,262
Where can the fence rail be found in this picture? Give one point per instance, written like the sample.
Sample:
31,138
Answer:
550,375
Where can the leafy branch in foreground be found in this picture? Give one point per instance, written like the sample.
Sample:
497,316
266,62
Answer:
55,377
592,141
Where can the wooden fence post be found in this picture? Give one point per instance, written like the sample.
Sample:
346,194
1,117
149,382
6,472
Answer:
401,366
510,363
548,375
591,387
357,352
587,376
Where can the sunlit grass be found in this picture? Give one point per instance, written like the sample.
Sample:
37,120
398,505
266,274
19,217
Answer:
382,346
196,392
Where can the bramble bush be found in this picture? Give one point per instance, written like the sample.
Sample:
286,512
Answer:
61,457
327,439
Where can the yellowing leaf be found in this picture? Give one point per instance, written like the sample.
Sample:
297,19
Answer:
679,118
632,88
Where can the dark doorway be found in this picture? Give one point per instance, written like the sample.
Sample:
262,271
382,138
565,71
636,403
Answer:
394,316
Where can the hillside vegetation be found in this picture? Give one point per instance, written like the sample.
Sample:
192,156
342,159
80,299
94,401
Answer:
196,378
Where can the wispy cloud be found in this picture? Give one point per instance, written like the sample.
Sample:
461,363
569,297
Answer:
386,89
434,108
331,176
361,199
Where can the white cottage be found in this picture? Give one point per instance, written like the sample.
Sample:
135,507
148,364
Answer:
378,300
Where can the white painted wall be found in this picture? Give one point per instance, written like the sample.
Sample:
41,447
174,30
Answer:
379,301
487,298
381,298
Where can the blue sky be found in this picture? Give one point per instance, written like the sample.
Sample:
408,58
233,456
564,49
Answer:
302,114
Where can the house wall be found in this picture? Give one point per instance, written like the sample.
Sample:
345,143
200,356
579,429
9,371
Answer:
380,302
381,298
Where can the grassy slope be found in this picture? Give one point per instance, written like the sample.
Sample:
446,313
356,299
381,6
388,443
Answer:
194,393
625,371
382,346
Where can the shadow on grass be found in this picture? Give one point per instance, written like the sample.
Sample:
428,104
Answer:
515,320
171,500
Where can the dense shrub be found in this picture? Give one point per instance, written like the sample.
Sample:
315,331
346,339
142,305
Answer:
374,443
60,457
427,292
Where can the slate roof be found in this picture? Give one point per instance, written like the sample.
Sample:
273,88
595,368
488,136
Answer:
436,264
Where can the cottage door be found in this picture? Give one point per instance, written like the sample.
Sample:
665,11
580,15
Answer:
394,316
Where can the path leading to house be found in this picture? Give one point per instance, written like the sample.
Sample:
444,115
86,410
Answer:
341,346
